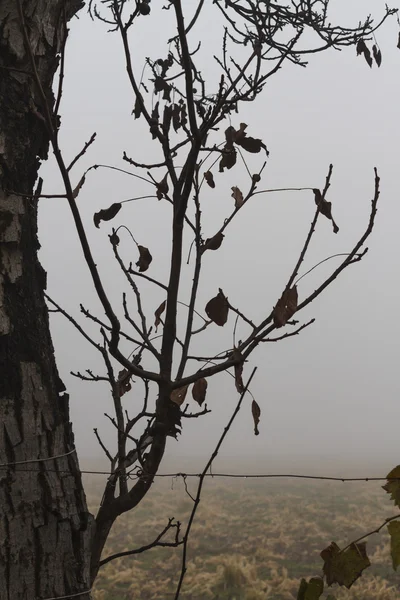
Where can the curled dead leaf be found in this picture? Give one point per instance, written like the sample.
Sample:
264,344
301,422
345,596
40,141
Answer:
199,390
325,208
256,412
237,196
228,159
162,187
145,258
217,309
377,55
178,396
123,382
238,368
208,176
285,307
106,214
158,314
213,243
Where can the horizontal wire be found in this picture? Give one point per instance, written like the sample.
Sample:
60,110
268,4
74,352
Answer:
226,475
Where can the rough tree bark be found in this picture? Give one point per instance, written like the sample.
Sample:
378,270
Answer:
45,528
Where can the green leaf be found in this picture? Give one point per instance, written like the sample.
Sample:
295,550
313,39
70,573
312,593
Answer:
345,567
394,532
311,590
393,487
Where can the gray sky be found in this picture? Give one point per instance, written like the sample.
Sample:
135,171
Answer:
332,392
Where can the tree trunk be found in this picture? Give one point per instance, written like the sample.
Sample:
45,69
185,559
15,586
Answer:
45,528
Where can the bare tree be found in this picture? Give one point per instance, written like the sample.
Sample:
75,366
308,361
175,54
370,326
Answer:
192,126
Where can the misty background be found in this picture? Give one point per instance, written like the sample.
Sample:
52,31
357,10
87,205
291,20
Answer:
329,397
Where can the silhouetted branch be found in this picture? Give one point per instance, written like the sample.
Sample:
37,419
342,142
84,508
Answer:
154,544
201,482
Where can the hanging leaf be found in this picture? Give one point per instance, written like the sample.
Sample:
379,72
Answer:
311,590
361,46
208,176
158,314
76,191
285,307
213,243
114,238
106,214
392,487
253,145
162,187
249,144
256,412
325,208
123,382
377,55
237,196
230,135
145,258
217,309
345,567
160,85
199,390
394,532
238,368
228,159
178,396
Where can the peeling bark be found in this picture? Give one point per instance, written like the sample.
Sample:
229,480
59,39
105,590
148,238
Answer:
45,528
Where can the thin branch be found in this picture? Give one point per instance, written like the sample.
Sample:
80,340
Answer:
290,334
154,544
377,530
201,482
82,152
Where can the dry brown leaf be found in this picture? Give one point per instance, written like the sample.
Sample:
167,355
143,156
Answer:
162,187
325,208
344,567
208,176
237,196
178,396
238,368
285,307
228,159
158,314
199,390
392,486
213,243
106,214
145,258
256,412
377,55
123,382
217,309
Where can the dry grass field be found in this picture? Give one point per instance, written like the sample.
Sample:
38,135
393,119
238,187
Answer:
252,540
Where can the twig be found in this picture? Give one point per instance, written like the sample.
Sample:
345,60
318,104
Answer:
82,152
201,482
153,544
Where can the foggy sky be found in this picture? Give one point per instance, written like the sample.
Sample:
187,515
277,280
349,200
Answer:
333,391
